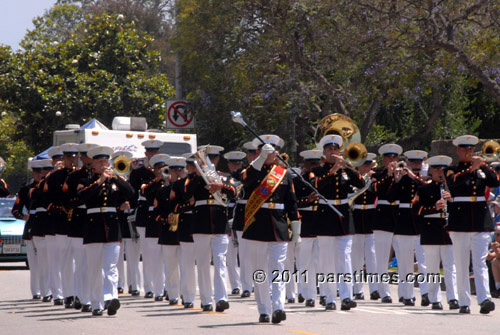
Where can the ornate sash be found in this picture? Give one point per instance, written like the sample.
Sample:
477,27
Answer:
263,192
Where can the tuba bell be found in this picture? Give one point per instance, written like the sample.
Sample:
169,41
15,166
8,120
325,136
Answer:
208,173
122,166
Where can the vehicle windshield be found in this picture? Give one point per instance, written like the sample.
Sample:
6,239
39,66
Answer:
6,205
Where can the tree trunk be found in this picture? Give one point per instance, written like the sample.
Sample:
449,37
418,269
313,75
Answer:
371,114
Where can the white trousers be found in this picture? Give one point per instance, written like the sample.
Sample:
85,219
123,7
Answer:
306,262
383,243
67,265
33,262
80,275
422,266
187,271
463,244
133,254
55,259
290,267
335,258
146,277
264,256
43,265
121,267
433,255
102,259
153,266
206,245
233,271
405,253
171,255
363,252
245,272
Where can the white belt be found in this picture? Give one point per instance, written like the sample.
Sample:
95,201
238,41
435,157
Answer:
82,206
385,202
151,208
40,209
188,212
363,207
32,211
231,205
310,208
241,202
272,205
334,201
129,211
206,202
142,198
405,205
101,210
469,199
436,216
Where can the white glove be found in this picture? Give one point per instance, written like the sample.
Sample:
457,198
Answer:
257,163
296,232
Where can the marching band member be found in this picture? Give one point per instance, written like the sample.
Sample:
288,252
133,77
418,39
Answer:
23,200
334,181
271,197
235,165
103,194
470,221
406,183
143,175
434,237
363,243
152,261
210,232
77,225
307,203
383,229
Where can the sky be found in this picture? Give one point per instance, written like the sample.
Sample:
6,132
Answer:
16,18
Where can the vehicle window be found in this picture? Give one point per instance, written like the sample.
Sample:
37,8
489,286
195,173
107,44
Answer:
175,149
6,205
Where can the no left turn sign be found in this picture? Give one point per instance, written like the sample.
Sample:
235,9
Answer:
179,115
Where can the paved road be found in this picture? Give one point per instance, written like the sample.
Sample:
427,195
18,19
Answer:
21,315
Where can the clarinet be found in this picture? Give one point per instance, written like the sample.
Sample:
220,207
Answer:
442,188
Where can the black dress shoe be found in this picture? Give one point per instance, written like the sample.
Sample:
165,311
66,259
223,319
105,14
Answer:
97,312
330,306
245,294
207,308
347,304
235,291
425,300
188,305
87,308
264,318
120,290
387,300
464,310
149,295
401,299
437,305
221,306
359,296
69,302
47,298
291,301
310,303
374,295
135,293
278,316
58,302
322,300
159,298
77,304
408,302
173,302
36,297
301,298
453,304
113,306
487,306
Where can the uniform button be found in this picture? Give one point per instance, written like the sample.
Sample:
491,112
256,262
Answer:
473,182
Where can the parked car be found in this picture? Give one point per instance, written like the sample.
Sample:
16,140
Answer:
12,245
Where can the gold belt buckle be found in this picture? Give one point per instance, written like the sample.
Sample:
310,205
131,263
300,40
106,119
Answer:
395,203
364,207
473,199
210,201
337,202
314,208
271,205
443,215
101,209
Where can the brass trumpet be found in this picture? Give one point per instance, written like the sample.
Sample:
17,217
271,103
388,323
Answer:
490,150
122,166
355,154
